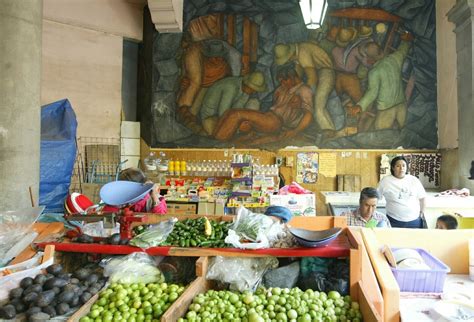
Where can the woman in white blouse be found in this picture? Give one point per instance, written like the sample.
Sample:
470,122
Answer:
404,195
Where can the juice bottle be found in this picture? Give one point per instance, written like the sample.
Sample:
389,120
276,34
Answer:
184,169
171,167
177,167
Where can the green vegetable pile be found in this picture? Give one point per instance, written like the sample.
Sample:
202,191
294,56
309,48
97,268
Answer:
133,302
273,304
199,232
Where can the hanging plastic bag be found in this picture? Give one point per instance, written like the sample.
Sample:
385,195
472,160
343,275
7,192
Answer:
243,274
16,231
253,231
134,268
154,235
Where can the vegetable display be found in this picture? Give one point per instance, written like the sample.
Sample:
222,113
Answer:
273,304
133,302
200,232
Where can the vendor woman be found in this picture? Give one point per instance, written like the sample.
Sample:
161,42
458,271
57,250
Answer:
404,195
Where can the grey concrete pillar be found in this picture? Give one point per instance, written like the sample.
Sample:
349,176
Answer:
462,15
20,80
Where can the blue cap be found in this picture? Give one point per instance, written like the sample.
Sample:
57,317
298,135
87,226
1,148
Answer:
278,211
120,193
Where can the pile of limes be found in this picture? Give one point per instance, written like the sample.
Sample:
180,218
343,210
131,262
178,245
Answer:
273,304
133,302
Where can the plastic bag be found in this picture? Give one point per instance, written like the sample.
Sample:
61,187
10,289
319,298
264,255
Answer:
28,268
15,225
243,274
155,235
260,229
134,268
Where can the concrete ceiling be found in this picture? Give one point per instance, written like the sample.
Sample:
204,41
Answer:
167,15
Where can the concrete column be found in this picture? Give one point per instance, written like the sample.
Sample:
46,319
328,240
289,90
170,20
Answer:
462,15
20,84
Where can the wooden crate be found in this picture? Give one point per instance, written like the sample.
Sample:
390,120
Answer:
201,269
201,285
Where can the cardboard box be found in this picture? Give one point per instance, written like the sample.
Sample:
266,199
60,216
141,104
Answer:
299,205
181,208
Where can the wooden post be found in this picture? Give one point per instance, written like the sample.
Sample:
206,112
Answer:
231,30
246,47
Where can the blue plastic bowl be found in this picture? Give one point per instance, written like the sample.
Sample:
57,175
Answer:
121,193
315,244
315,235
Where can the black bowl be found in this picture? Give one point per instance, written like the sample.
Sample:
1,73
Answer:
314,235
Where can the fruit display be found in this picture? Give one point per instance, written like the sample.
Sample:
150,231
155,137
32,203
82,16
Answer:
52,294
272,304
200,232
133,302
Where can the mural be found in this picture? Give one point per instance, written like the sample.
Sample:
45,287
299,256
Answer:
249,74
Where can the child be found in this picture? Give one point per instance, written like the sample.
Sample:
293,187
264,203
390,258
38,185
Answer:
446,222
152,202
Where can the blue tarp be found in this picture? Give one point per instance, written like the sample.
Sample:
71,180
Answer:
58,153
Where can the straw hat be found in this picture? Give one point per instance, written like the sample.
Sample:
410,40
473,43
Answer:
283,53
365,31
255,81
213,48
345,36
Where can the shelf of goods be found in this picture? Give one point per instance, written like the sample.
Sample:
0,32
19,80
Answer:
449,246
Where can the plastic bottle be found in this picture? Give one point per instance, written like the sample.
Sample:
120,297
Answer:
171,167
150,162
177,167
184,170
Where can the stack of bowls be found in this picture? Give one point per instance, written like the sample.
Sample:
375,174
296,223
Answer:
312,238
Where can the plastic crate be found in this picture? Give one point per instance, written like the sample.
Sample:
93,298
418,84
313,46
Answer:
422,280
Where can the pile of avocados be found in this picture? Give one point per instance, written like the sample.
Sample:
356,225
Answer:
52,294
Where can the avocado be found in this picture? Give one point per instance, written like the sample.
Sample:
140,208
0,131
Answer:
54,269
20,307
33,288
74,302
30,297
66,296
62,308
74,281
40,279
85,297
32,310
27,281
50,310
7,312
54,282
92,279
16,293
39,317
81,274
45,298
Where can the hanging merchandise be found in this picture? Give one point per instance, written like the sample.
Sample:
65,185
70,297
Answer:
425,166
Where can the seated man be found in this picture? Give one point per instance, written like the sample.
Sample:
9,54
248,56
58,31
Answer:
366,215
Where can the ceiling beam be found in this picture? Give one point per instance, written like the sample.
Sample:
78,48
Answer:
167,15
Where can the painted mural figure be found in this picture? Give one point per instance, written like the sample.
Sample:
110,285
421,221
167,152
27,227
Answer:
229,93
350,63
313,62
204,63
290,114
385,87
